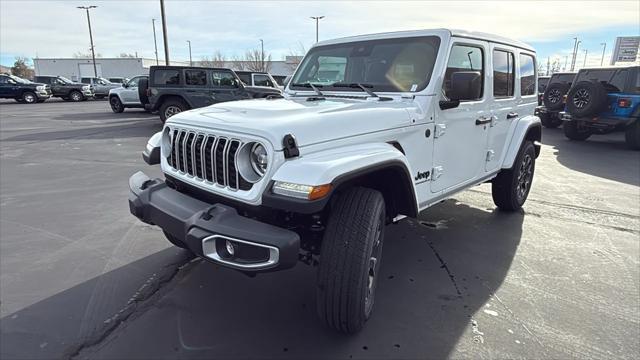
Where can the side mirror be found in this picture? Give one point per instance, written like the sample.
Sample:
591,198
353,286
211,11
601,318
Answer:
466,85
125,85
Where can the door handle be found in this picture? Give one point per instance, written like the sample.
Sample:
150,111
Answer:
512,115
483,120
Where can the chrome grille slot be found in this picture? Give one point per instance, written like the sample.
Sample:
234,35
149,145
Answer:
207,158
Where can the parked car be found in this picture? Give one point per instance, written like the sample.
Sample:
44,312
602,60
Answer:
257,78
66,89
128,95
173,89
22,90
543,81
553,99
118,80
602,101
101,86
258,185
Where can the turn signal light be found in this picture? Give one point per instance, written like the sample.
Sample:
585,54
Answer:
624,103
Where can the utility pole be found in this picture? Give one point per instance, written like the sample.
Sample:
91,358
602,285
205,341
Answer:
164,33
548,66
317,19
604,47
566,59
155,42
584,64
190,61
93,52
576,45
261,55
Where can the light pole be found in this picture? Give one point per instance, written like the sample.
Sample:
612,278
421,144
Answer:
164,33
190,61
317,19
584,64
93,53
604,47
155,42
566,59
261,55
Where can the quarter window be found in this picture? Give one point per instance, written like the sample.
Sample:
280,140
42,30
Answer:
166,77
503,73
464,58
195,77
527,75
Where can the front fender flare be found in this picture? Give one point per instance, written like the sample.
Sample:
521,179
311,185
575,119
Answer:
151,154
528,128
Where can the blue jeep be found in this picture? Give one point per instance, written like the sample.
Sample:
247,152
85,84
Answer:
604,100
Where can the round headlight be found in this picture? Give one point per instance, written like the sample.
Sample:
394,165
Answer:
252,161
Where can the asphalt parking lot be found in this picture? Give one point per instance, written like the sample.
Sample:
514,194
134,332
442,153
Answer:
82,278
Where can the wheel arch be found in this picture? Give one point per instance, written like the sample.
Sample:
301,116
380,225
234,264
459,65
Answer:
171,96
528,128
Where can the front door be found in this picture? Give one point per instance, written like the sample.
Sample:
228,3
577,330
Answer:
461,133
130,94
8,87
225,86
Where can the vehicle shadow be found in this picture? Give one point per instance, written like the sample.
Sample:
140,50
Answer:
131,128
605,156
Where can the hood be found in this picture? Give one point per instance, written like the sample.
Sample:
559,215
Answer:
310,122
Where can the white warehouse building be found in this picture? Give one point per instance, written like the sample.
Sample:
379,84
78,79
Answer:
76,68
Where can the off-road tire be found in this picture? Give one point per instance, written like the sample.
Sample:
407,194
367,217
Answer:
76,95
347,273
632,135
511,187
29,97
116,105
573,131
553,94
586,98
172,239
171,107
550,122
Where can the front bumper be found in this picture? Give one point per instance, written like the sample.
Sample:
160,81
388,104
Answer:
43,95
207,228
88,93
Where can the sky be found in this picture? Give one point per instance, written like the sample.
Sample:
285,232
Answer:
49,28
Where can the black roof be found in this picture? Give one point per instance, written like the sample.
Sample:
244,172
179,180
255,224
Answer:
186,67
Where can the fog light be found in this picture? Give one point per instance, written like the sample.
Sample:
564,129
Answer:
230,248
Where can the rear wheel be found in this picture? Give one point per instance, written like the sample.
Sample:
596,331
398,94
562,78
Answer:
75,96
171,107
573,131
350,259
510,188
116,104
632,135
29,97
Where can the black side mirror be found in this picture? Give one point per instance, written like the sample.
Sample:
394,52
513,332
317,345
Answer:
466,85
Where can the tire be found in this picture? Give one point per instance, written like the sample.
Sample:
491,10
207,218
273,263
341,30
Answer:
350,259
573,131
143,85
76,96
171,107
632,135
549,121
553,95
172,239
29,97
116,105
586,98
511,187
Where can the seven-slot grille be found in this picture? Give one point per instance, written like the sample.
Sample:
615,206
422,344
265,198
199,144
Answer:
206,157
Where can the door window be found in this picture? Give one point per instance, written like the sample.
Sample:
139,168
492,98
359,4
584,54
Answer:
503,73
195,77
464,58
86,80
4,80
224,79
527,75
133,82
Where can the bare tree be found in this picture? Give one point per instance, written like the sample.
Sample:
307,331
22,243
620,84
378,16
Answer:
257,61
295,56
21,69
237,63
218,60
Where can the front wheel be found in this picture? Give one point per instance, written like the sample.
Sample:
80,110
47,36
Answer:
116,105
29,97
510,188
632,135
573,131
76,96
350,259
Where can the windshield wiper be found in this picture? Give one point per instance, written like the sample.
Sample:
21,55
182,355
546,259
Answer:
310,85
364,87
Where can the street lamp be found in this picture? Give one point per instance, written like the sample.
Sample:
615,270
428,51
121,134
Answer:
261,55
155,43
93,53
317,18
604,47
190,61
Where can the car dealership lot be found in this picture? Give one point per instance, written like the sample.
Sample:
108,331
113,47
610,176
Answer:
82,277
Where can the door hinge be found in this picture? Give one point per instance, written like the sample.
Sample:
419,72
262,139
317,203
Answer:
440,130
490,155
436,173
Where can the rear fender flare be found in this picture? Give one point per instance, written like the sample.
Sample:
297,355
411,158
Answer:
528,128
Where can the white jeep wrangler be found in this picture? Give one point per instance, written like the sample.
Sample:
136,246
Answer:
371,129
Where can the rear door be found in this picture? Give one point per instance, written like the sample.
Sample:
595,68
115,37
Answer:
461,133
197,87
8,87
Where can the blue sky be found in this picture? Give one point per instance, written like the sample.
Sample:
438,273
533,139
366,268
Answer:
58,29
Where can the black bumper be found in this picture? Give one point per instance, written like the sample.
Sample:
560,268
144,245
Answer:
205,228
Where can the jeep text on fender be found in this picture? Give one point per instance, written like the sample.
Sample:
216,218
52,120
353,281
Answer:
372,128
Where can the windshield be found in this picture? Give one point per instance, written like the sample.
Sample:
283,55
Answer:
19,79
64,79
403,64
105,80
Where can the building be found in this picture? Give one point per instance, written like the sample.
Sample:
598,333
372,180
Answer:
76,68
277,68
